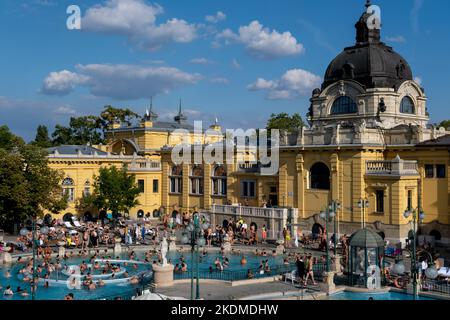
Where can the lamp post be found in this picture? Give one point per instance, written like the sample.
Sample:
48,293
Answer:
194,237
334,207
363,204
417,215
24,232
327,215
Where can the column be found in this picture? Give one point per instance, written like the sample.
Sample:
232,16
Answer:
299,162
165,184
186,187
207,188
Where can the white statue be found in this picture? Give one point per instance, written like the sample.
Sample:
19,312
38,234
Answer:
164,249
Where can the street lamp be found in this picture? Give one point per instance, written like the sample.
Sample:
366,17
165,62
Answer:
417,215
363,204
334,207
327,215
194,237
23,232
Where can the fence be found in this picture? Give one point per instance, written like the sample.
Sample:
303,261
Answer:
435,286
237,275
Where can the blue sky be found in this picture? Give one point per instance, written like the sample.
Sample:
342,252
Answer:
237,60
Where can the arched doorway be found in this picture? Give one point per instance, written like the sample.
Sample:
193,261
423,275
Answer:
140,214
316,230
319,176
156,214
102,215
48,219
87,216
68,217
436,234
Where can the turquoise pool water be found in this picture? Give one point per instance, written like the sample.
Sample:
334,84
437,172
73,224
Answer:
58,284
346,295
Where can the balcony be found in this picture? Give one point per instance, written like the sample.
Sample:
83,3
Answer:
144,166
395,167
251,167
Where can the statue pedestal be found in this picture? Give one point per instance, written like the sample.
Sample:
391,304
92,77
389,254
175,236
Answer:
61,251
337,265
117,248
280,247
6,258
226,246
328,285
172,243
163,275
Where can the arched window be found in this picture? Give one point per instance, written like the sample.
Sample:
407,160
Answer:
68,189
176,179
319,177
219,181
407,106
197,180
343,105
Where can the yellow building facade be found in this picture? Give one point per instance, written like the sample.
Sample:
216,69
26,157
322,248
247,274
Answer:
368,147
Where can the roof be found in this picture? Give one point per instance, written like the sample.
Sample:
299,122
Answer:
74,150
366,238
443,141
369,62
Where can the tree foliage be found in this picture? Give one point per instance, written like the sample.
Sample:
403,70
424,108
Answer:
42,139
91,129
283,121
115,190
28,186
444,124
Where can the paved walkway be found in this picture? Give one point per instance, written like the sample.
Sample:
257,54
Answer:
214,291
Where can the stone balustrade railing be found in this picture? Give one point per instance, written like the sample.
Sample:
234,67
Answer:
395,167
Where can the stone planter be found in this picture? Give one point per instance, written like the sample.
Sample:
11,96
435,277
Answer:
163,275
172,243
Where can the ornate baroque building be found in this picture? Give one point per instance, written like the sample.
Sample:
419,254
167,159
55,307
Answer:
369,142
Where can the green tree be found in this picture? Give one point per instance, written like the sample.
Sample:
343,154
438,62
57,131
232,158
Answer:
283,121
115,190
28,186
444,124
111,114
8,141
81,130
42,139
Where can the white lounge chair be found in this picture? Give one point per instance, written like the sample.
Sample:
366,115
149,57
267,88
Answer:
292,276
68,225
77,224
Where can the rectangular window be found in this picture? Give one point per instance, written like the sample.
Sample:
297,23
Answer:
155,186
429,171
248,189
141,186
196,186
87,191
219,186
410,205
70,192
176,185
380,201
440,171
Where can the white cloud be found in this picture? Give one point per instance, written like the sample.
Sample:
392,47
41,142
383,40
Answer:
220,80
200,61
397,39
418,80
62,82
261,42
235,64
136,20
293,84
65,110
122,82
218,17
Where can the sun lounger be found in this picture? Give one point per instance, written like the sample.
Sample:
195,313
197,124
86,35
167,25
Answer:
291,276
68,224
